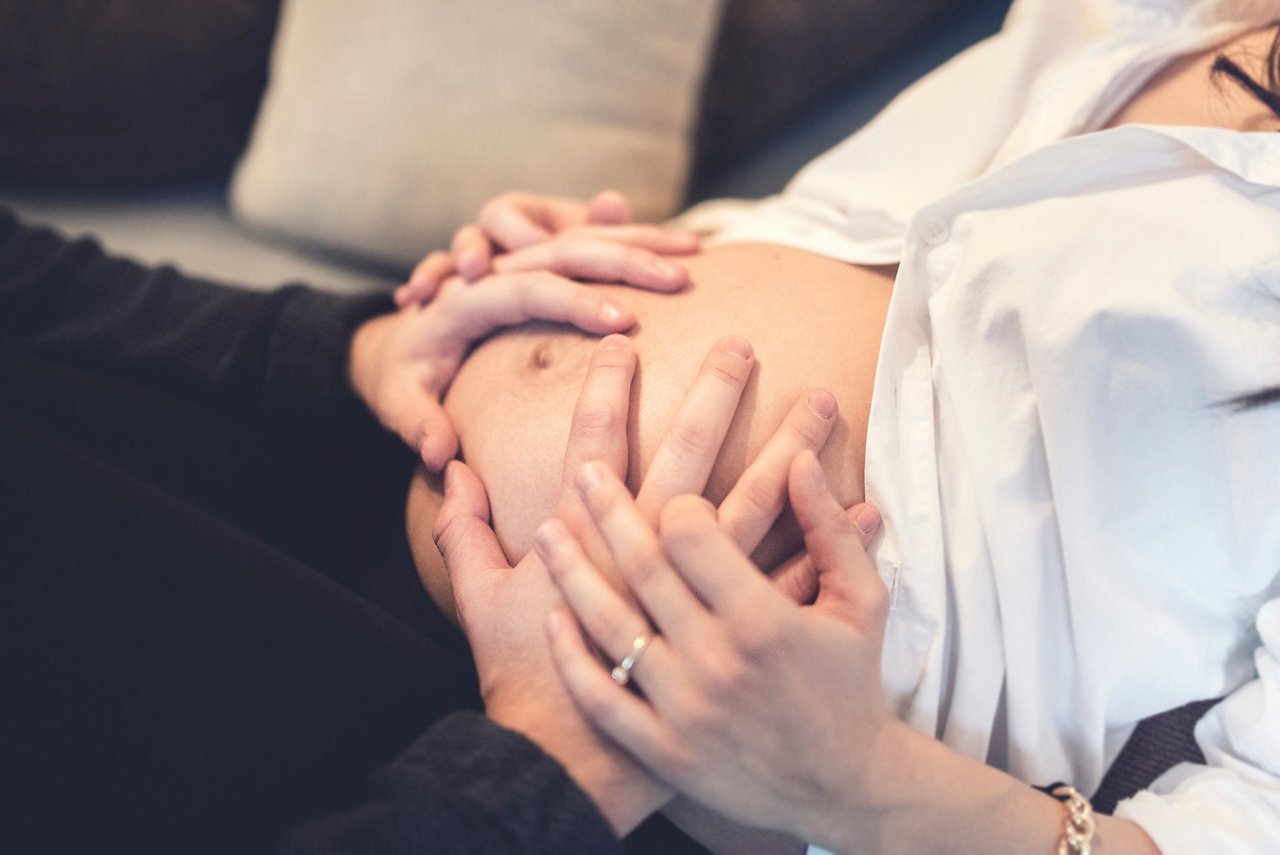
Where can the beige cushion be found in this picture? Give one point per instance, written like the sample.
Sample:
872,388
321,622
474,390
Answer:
387,123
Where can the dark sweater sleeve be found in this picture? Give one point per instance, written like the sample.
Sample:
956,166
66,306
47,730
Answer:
465,786
278,355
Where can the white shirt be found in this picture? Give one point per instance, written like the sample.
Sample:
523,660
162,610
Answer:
1076,536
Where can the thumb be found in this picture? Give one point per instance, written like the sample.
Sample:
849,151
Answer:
431,433
848,584
462,534
797,577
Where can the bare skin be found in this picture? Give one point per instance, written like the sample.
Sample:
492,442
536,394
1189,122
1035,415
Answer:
1184,92
813,322
511,400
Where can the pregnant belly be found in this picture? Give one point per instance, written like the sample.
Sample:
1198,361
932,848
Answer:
813,322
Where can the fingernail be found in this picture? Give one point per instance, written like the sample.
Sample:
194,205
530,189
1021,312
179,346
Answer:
547,537
612,312
667,269
867,519
822,404
739,347
613,341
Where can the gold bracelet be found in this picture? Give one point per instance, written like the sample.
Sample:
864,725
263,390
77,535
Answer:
1077,833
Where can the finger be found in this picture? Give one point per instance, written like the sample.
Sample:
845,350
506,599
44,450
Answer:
619,714
506,222
462,532
709,562
847,581
417,416
684,457
510,299
598,429
471,252
756,500
797,578
433,435
866,519
637,552
612,624
608,207
425,279
659,239
597,260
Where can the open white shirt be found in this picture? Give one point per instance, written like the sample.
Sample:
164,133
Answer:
1077,535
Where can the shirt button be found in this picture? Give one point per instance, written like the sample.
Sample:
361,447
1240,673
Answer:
934,231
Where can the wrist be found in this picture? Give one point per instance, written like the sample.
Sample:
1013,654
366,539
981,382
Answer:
925,797
624,793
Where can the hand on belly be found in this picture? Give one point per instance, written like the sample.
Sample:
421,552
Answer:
813,322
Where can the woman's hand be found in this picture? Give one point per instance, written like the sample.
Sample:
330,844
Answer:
735,665
401,363
593,240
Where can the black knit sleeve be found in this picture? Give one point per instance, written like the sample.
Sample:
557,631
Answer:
278,355
465,786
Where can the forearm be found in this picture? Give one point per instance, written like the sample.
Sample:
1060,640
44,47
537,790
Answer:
930,798
280,355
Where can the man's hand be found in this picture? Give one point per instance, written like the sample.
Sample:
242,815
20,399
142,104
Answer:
599,243
501,608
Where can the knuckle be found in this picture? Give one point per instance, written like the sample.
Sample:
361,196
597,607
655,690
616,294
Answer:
597,419
759,638
443,532
682,520
699,720
807,430
525,290
760,495
693,438
586,304
635,257
723,680
644,566
728,369
875,601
